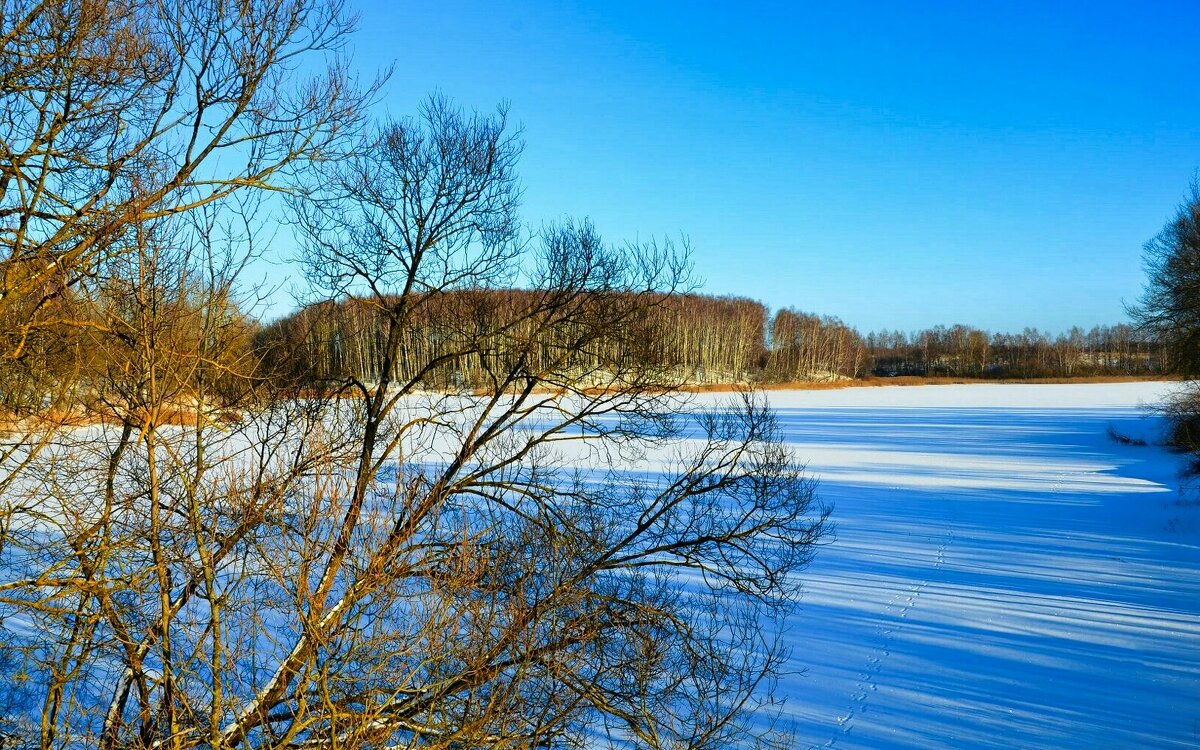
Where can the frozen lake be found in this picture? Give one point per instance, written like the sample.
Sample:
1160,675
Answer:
1003,574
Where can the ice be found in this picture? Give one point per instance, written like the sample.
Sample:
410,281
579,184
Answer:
1004,574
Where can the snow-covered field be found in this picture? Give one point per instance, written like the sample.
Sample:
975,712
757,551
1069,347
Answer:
1004,575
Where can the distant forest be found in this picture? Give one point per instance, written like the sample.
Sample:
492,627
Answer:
700,339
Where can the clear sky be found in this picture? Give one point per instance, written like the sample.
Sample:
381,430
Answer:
898,164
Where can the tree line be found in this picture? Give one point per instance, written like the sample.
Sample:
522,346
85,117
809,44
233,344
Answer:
692,338
701,339
687,338
961,351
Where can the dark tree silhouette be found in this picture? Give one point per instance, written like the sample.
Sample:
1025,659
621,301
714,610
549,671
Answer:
1170,309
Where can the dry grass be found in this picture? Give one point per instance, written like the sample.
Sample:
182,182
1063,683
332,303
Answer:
58,418
874,382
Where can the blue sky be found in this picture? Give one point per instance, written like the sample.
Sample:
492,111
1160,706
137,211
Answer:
898,165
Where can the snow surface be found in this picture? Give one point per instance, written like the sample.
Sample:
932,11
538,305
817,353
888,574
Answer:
1003,574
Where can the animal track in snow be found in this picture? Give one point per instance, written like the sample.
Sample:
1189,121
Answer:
894,617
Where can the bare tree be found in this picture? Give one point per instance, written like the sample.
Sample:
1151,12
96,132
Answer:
1170,304
541,562
122,122
123,528
515,600
121,113
562,554
1170,311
